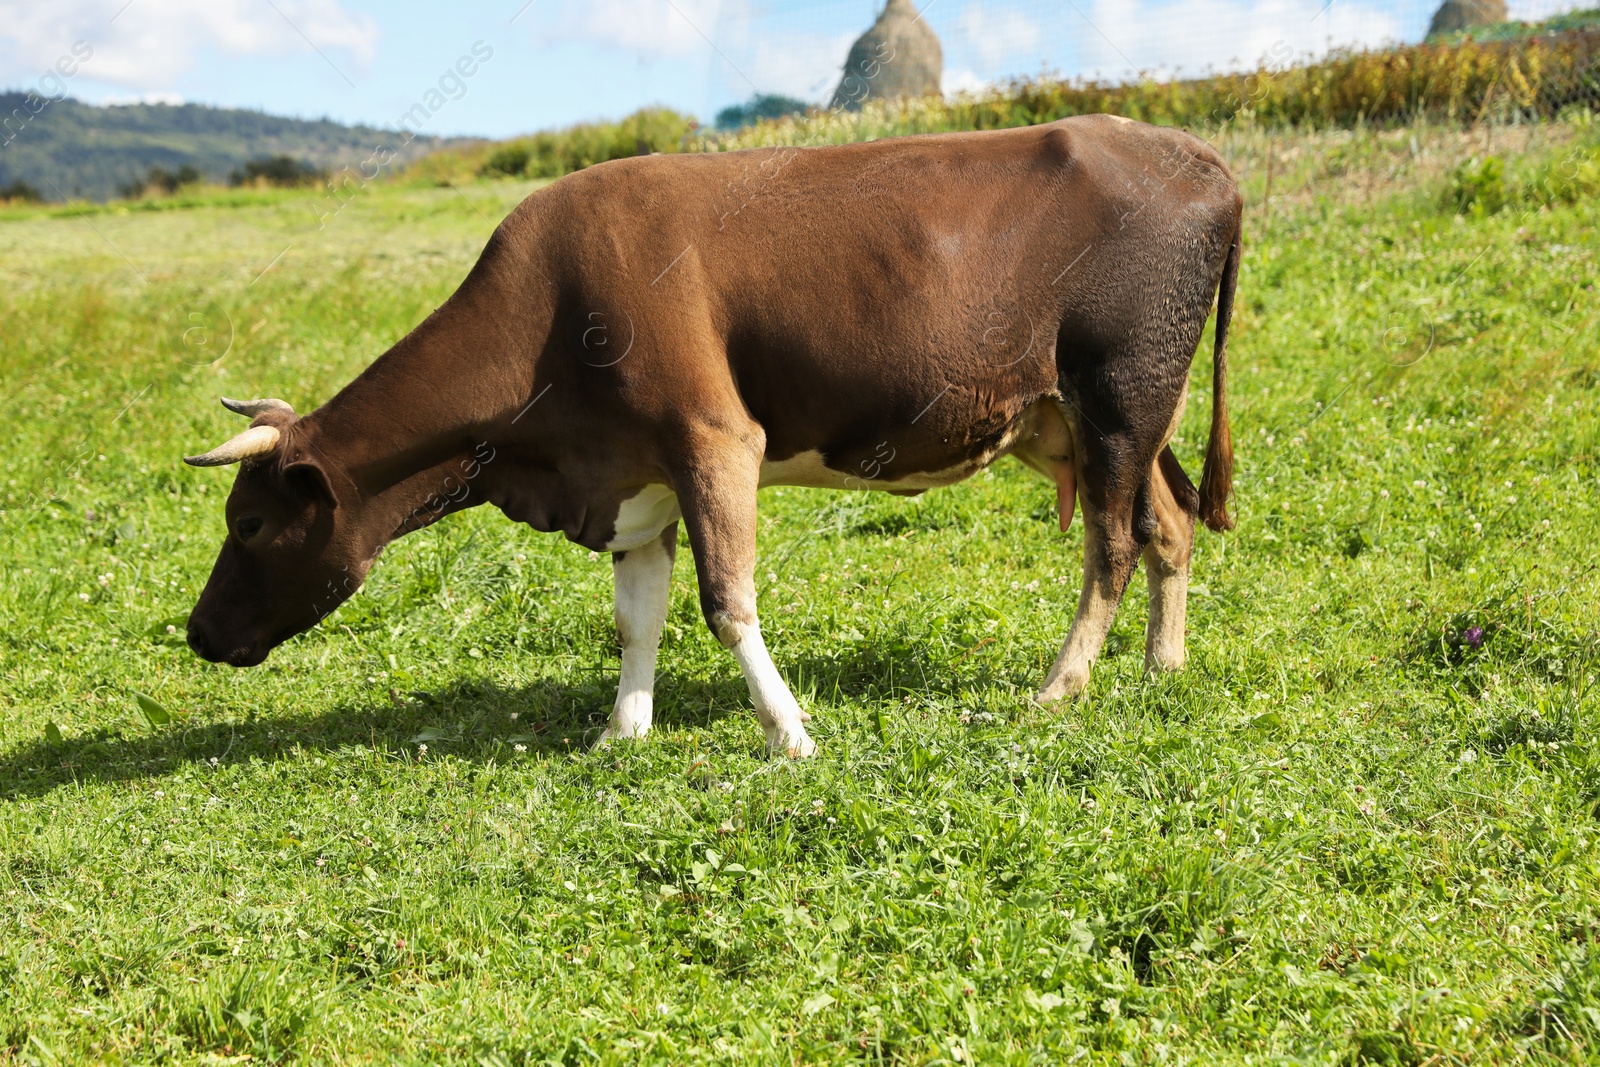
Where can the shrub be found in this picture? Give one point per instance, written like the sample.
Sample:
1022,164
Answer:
552,154
159,178
508,161
759,107
1484,187
1477,187
20,191
1573,177
282,171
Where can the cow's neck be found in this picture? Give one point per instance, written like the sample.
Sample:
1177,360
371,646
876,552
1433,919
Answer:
469,367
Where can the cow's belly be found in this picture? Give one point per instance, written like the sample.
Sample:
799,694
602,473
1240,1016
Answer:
807,469
642,517
1039,436
890,468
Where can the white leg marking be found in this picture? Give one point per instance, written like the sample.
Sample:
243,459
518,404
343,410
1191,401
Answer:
1097,604
1166,560
644,591
776,706
1169,599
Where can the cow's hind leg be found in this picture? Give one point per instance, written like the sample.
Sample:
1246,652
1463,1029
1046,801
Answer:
716,488
1110,553
644,592
1123,408
1168,507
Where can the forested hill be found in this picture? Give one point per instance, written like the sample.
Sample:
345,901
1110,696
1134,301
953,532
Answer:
69,148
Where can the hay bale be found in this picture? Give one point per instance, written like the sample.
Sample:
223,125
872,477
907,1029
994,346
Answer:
1454,16
898,57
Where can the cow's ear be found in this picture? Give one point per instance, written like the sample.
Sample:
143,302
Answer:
308,476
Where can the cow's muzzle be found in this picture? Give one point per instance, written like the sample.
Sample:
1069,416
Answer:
207,648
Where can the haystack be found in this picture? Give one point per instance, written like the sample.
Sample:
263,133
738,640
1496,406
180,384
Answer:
898,57
1456,15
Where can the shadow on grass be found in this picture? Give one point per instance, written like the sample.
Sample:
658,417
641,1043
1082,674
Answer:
902,662
470,719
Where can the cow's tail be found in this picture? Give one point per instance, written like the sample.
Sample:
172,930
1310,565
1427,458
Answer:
1216,481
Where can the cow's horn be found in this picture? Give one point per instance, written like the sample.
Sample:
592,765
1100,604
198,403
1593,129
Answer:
256,441
252,408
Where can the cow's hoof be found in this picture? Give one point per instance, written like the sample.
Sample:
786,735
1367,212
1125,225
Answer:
1158,664
793,742
1060,690
623,731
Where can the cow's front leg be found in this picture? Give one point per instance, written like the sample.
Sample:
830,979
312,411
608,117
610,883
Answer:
717,492
644,592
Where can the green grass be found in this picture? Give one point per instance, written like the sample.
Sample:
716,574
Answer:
1344,835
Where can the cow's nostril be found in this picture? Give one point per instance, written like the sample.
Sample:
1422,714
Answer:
196,640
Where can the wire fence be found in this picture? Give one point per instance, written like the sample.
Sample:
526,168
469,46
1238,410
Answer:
797,48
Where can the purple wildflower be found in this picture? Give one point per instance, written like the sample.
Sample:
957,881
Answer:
1473,636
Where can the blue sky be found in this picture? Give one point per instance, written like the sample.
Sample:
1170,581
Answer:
555,62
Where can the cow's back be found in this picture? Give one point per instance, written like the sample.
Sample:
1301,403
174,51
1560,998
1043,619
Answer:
844,289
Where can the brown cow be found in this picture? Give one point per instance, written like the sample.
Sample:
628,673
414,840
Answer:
656,338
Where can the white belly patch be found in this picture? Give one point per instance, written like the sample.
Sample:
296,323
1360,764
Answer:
807,469
643,516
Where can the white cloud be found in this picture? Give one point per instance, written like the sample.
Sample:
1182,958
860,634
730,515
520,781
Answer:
1535,10
804,65
962,81
998,34
149,44
649,29
1159,38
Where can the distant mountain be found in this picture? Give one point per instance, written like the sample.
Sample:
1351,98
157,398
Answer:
67,148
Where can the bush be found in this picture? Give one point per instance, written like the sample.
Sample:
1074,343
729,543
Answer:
159,178
759,107
550,155
508,161
1483,187
1573,177
1477,187
282,171
20,191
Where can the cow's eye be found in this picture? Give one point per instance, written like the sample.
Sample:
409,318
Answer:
248,528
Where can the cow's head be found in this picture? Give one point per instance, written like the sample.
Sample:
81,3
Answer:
291,554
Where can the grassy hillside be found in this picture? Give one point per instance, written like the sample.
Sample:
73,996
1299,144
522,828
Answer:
1531,71
72,149
1362,827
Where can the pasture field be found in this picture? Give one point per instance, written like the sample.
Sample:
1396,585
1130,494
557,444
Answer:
1362,827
